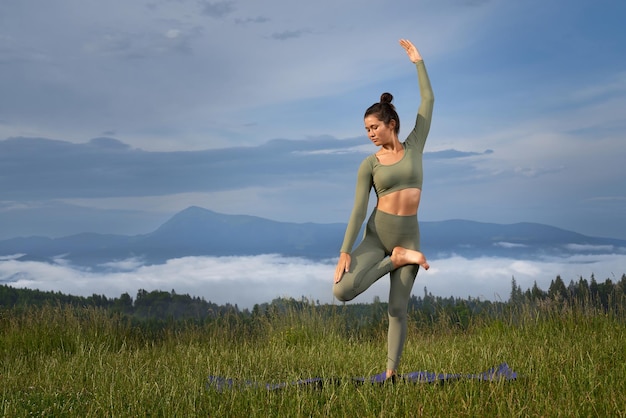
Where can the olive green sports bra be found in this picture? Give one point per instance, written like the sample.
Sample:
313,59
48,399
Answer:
403,174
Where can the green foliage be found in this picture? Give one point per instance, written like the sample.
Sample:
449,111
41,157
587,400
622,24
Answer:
88,357
87,362
156,310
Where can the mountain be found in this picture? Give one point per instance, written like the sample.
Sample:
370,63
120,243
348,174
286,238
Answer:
200,232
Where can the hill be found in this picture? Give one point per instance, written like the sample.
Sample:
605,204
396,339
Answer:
201,232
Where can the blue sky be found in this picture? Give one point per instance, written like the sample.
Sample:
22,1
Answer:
116,115
528,124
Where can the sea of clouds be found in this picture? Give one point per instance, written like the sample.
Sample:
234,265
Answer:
246,281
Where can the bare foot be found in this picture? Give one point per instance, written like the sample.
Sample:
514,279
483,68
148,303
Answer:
401,257
391,376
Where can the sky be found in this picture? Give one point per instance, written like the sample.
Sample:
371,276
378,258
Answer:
116,115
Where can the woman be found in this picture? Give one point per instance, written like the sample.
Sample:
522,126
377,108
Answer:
391,241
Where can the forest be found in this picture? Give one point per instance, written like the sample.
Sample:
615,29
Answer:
156,354
157,309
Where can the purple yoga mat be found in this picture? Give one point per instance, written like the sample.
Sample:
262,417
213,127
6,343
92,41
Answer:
501,372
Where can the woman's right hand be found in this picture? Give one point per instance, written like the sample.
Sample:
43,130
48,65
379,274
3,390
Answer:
411,50
343,266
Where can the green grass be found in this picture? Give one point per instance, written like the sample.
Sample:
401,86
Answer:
70,362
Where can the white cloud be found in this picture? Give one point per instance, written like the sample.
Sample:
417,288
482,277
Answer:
581,247
11,257
509,245
172,33
248,280
129,264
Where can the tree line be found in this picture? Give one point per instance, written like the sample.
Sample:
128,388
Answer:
159,307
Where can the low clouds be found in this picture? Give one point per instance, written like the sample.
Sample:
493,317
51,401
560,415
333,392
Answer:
242,280
37,168
249,280
34,168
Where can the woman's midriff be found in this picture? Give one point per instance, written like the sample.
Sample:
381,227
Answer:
404,202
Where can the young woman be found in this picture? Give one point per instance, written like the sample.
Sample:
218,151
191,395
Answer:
391,242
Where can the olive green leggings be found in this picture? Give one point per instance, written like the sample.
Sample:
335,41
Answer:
370,262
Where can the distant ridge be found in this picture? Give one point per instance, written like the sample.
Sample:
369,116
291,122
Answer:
197,231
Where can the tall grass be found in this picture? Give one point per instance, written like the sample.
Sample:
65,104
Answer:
61,361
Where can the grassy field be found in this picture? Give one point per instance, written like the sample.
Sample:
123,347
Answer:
84,362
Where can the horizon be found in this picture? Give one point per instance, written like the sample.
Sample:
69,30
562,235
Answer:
148,231
264,277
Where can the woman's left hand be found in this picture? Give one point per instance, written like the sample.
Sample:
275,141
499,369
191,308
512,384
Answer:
411,50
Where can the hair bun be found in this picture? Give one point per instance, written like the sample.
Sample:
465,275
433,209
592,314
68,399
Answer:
386,98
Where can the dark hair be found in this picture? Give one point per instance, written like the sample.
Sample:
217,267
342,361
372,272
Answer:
384,111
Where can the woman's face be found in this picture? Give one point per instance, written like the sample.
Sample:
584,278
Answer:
378,132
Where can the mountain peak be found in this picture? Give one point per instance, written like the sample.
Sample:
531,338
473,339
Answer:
196,231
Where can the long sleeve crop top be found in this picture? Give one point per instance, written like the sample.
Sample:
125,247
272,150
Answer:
406,173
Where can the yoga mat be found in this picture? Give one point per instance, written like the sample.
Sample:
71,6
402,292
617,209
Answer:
500,372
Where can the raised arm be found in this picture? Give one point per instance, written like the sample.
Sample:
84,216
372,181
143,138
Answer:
425,112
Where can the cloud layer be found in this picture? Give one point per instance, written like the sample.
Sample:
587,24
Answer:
246,281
